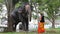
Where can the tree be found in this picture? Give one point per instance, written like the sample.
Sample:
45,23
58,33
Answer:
10,4
51,8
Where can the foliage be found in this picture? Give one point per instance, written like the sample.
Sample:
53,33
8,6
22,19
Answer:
24,0
51,7
15,1
35,16
1,1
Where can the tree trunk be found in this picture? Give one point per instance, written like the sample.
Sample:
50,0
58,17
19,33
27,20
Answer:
10,7
53,23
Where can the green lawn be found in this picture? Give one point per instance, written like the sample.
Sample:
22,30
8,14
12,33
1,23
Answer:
48,31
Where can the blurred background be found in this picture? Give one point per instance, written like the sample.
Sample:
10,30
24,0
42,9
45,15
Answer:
50,8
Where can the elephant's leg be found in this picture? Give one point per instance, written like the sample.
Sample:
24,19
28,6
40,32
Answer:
23,25
14,22
15,26
26,25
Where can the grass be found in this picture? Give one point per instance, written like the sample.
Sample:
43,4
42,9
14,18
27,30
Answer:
52,31
19,33
48,31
